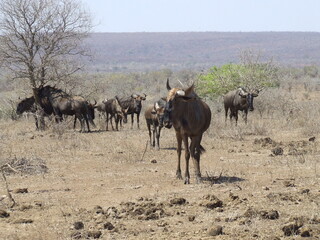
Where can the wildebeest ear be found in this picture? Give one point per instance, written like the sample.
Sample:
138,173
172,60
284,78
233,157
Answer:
153,111
134,95
168,85
254,94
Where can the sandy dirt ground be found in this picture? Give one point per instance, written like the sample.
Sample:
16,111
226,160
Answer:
109,185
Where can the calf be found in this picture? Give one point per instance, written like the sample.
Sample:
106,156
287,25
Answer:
114,109
154,119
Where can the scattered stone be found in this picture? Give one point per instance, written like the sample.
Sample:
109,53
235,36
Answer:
312,139
78,225
24,207
98,210
4,214
305,232
233,197
108,226
20,190
291,229
76,235
288,184
94,234
23,220
191,218
153,161
249,213
305,191
178,201
112,212
277,151
264,141
211,202
273,214
215,231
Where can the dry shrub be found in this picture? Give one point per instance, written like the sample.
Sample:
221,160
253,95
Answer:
23,165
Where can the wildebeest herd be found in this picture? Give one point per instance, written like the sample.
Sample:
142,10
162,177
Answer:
182,108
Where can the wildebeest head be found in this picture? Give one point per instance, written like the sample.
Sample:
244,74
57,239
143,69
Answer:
137,105
248,95
158,110
91,107
25,105
176,94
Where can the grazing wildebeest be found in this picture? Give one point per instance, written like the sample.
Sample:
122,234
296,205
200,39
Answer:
190,117
154,119
91,115
239,99
28,105
134,106
114,109
63,103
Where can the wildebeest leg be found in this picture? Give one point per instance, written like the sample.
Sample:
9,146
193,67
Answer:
87,122
36,121
132,116
107,121
226,114
158,130
75,122
149,129
111,117
245,115
117,119
195,155
153,134
187,157
236,117
138,116
179,141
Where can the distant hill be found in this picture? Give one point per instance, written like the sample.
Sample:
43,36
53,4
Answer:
197,50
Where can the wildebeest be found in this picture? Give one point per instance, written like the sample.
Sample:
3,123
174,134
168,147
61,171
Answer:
239,99
134,106
91,115
190,117
113,108
28,105
154,119
63,103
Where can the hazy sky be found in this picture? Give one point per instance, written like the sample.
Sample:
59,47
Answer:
204,15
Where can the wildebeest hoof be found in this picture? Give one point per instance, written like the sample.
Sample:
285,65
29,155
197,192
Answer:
187,181
198,180
178,175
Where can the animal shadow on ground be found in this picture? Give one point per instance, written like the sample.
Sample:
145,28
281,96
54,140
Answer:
221,179
169,148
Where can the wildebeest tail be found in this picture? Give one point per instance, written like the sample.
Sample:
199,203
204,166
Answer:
202,150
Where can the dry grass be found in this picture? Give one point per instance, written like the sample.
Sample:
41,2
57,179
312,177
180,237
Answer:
105,168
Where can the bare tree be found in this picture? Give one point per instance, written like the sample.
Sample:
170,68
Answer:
258,72
41,38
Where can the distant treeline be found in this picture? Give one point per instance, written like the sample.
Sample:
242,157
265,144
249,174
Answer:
127,52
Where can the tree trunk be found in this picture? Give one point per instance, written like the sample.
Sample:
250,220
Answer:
40,111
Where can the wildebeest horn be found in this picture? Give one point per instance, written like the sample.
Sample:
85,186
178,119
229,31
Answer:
190,89
168,85
242,92
156,106
95,102
145,95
